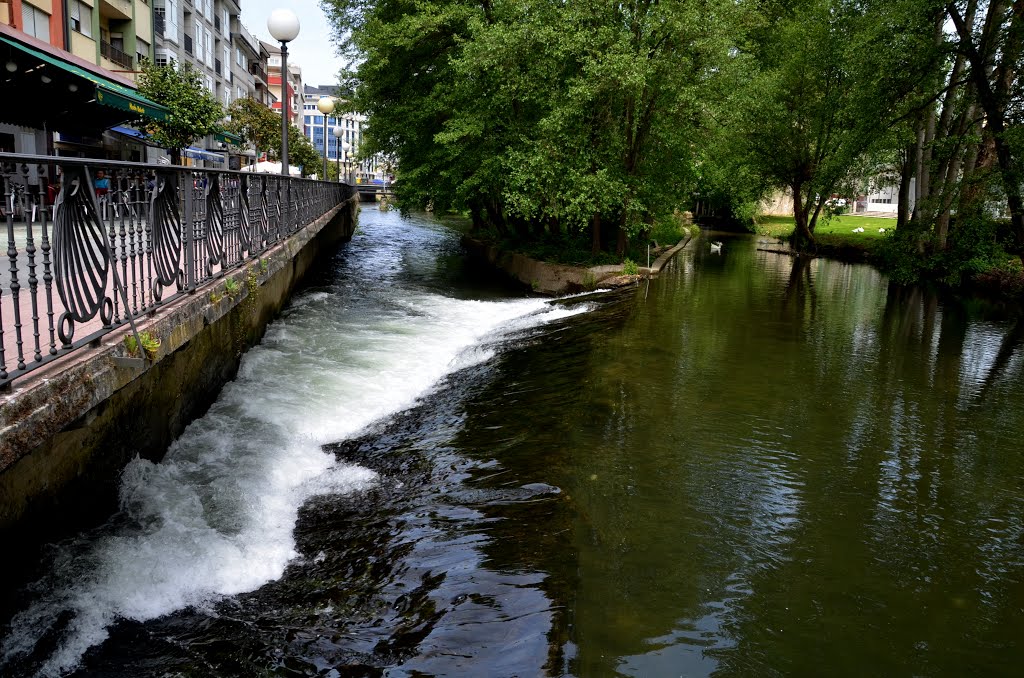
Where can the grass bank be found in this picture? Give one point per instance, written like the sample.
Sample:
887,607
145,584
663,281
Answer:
842,238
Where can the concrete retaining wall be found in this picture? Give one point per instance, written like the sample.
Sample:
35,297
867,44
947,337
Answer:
556,279
68,430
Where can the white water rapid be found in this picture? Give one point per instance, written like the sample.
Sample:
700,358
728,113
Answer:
215,517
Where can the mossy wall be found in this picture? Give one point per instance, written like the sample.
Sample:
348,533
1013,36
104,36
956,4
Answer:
67,435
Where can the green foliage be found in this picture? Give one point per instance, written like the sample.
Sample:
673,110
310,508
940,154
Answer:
301,152
973,249
256,124
194,112
531,113
150,344
667,231
629,267
231,287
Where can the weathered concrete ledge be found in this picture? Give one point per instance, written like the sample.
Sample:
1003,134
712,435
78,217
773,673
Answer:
67,430
557,279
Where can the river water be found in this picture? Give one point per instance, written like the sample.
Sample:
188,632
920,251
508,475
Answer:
754,465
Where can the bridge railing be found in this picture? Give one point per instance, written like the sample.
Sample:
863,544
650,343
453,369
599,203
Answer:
93,245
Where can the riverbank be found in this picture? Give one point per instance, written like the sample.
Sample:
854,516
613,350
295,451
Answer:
550,278
857,239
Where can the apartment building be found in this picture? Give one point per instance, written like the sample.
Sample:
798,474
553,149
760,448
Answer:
293,83
351,124
206,35
81,55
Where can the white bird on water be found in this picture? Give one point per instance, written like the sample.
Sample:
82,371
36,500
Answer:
716,246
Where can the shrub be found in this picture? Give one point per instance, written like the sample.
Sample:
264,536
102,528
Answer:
629,267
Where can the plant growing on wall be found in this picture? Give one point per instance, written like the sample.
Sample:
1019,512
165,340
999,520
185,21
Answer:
150,344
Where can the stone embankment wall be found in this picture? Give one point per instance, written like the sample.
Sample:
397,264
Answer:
67,431
556,279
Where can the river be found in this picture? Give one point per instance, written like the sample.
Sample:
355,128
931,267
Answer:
753,465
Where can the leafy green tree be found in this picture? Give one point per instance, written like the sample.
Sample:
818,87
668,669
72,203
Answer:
537,116
300,152
825,81
256,124
194,112
991,38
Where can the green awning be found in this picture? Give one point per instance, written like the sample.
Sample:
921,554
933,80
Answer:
107,93
228,138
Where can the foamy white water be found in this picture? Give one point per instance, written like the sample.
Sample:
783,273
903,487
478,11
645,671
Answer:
215,517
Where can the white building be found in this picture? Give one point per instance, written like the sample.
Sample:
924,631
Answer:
207,35
351,124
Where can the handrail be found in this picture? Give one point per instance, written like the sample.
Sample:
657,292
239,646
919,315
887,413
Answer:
107,242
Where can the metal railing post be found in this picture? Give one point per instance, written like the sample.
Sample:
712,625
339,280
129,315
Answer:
188,225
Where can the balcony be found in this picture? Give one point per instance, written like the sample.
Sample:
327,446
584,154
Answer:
116,55
216,24
188,44
159,22
116,9
217,67
257,70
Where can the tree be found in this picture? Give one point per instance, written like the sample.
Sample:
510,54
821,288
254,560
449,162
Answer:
826,80
193,110
536,115
994,50
300,151
256,124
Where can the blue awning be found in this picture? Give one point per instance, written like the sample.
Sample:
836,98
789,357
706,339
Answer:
200,154
129,132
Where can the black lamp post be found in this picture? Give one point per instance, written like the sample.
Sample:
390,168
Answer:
284,26
337,150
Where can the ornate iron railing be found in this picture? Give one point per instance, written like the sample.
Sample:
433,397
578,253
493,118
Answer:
92,245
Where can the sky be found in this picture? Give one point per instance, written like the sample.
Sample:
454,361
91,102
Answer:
313,49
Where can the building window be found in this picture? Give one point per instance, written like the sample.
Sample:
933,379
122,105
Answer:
161,58
81,17
35,22
141,49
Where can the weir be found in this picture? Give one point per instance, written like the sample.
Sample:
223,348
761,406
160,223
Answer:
127,296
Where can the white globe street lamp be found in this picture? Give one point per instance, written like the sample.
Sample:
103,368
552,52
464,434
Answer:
284,26
337,150
325,106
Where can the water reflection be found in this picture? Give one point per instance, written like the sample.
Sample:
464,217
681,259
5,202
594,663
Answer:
756,465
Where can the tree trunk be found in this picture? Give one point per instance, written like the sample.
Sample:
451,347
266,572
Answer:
595,240
918,168
995,57
903,199
476,217
802,236
554,228
620,245
495,217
